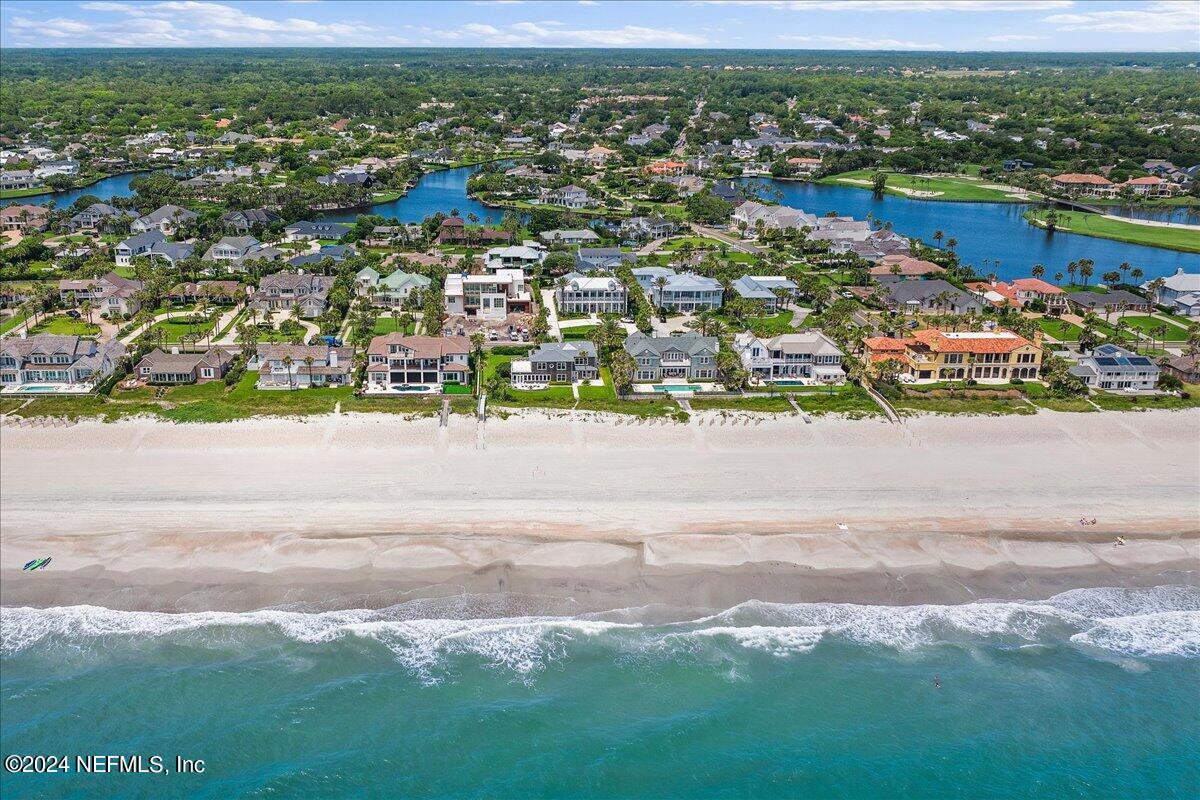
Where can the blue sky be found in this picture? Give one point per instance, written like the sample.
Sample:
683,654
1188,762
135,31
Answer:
927,25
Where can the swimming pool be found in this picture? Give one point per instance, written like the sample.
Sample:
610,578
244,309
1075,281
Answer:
37,389
672,387
409,387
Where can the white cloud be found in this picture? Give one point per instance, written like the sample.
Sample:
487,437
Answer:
1014,37
889,6
191,23
860,43
551,33
1165,16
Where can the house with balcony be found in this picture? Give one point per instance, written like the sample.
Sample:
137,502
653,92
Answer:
647,228
1079,184
518,256
1179,292
751,212
573,237
556,362
24,218
98,216
687,293
70,363
230,248
585,294
160,368
301,366
241,222
932,355
392,290
306,230
167,219
929,296
222,292
603,258
1113,368
110,294
416,362
570,196
689,357
803,357
763,288
491,297
1113,300
284,290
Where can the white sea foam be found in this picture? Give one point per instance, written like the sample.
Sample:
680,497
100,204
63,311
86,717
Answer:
778,641
1165,633
1157,622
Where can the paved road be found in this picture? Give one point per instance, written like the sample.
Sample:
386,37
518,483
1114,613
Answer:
734,244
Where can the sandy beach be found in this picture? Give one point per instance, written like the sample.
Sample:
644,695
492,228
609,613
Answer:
595,512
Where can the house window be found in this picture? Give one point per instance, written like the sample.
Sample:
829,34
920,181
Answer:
207,372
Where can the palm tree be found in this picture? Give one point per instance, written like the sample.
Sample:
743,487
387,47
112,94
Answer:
1125,267
308,364
1058,276
951,243
287,364
1038,271
86,308
938,235
1085,269
1136,274
660,283
1072,268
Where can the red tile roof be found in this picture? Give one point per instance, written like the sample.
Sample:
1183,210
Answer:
1035,285
1082,178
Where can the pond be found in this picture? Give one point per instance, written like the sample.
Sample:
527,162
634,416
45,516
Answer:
105,189
444,191
992,237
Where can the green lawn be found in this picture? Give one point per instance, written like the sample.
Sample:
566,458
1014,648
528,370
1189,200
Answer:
66,326
849,399
999,406
772,325
697,242
176,328
10,193
1145,324
11,322
766,404
1122,402
959,189
387,324
551,396
1060,329
1098,225
579,332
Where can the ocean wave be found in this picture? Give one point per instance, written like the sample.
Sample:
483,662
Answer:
1154,622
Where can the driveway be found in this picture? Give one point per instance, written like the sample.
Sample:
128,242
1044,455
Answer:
721,236
551,314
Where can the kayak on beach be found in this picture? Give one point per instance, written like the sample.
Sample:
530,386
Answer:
37,563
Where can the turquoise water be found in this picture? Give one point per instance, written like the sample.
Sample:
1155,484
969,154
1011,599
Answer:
1091,694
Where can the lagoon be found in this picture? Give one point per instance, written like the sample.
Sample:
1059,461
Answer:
992,237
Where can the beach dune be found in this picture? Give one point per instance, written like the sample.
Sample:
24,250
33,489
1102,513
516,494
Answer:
348,510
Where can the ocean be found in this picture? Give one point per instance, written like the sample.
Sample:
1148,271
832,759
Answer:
1089,694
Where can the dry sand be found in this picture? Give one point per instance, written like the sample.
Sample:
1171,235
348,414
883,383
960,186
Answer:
355,510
